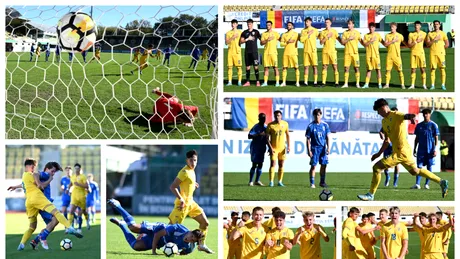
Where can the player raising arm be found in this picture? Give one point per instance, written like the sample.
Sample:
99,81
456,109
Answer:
253,236
277,135
433,243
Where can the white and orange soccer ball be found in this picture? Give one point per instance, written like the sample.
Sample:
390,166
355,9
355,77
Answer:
76,32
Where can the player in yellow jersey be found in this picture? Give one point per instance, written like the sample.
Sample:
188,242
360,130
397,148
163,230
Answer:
395,237
183,188
204,55
446,235
393,42
97,52
279,240
350,39
289,41
158,53
417,53
277,135
437,41
245,219
308,38
327,38
38,50
143,63
309,236
79,182
371,41
270,223
136,54
225,236
253,235
232,39
395,130
234,246
424,221
269,40
433,242
367,240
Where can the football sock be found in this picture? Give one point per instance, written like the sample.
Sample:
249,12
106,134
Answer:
259,173
251,173
395,178
324,76
380,80
312,180
322,178
297,76
433,76
44,234
305,77
427,181
336,75
417,179
248,74
61,219
65,214
376,177
315,77
284,75
277,78
80,221
240,74
256,73
230,74
204,231
413,76
266,79
130,238
424,79
346,75
126,216
388,77
271,173
443,76
280,174
387,175
429,175
27,235
401,77
368,79
93,215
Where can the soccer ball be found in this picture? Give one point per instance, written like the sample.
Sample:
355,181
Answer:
326,195
76,32
66,244
170,249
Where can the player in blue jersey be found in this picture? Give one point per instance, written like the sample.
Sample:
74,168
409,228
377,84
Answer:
213,57
426,138
65,198
154,235
83,54
47,52
196,53
318,147
387,153
168,51
58,53
70,56
258,149
92,197
32,52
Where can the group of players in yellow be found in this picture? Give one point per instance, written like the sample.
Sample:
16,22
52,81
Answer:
436,40
359,240
252,238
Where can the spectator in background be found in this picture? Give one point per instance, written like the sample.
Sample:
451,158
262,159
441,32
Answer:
452,153
452,38
444,154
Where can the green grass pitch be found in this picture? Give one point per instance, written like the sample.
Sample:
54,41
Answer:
344,186
394,82
87,247
75,100
118,247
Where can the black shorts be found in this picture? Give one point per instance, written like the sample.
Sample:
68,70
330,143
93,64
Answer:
251,59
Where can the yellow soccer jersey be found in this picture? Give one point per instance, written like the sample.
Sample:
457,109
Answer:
77,190
233,243
226,241
433,240
248,222
437,46
308,38
349,231
145,55
277,132
234,47
329,44
310,243
290,49
372,50
38,49
394,49
279,251
396,129
253,241
446,235
270,223
271,47
417,49
366,240
351,47
28,184
187,185
394,236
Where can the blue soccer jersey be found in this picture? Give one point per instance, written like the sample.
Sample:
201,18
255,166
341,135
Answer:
258,144
317,133
65,182
213,55
47,192
32,49
174,233
426,133
93,195
167,52
196,53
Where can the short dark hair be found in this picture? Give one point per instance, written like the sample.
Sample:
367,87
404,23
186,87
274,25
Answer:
234,213
262,114
52,164
370,214
350,20
317,111
353,210
234,21
439,213
191,153
365,216
197,234
328,19
275,209
277,112
246,213
423,214
436,21
257,209
379,103
308,19
270,22
291,23
383,210
394,109
426,111
249,21
417,22
393,23
279,214
150,46
77,164
68,167
30,161
372,24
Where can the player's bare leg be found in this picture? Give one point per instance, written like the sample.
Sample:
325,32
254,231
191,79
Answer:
312,176
315,76
305,75
324,75
336,75
28,233
204,223
280,172
271,174
284,77
346,76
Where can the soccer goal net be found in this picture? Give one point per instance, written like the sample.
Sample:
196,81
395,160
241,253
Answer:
151,73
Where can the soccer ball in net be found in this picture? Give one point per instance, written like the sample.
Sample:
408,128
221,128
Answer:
170,249
66,244
326,195
76,32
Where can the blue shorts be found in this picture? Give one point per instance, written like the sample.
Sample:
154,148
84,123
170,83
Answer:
47,217
319,155
257,157
424,160
89,202
65,201
387,152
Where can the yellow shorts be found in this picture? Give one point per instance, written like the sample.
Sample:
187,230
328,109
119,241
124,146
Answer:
234,60
417,61
279,155
433,256
135,59
234,252
357,254
97,55
394,62
270,60
437,61
310,59
290,61
446,247
79,201
330,58
406,159
370,252
351,59
37,203
177,216
373,63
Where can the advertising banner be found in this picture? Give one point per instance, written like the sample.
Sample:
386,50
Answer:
239,16
296,17
362,115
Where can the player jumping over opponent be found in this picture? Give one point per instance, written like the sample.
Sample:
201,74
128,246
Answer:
395,130
258,149
168,109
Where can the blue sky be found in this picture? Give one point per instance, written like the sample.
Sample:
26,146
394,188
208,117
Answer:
113,15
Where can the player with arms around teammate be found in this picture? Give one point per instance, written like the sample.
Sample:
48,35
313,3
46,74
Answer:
257,149
393,42
251,55
279,240
367,240
183,188
92,198
253,236
327,38
395,237
350,40
289,41
417,53
318,147
437,41
78,196
270,40
433,247
234,246
426,139
308,38
232,39
277,135
309,237
395,130
371,41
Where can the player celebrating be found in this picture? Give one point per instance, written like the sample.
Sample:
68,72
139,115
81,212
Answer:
143,63
277,134
367,240
232,39
387,153
437,41
270,40
65,198
424,221
426,138
97,52
327,38
251,55
371,42
253,236
234,251
395,129
183,188
136,54
168,51
169,109
245,218
78,196
446,235
257,149
308,38
433,241
279,240
92,197
309,237
350,40
289,41
394,236
393,42
417,60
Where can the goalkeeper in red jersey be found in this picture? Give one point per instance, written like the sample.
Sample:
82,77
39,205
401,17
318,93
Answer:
168,109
